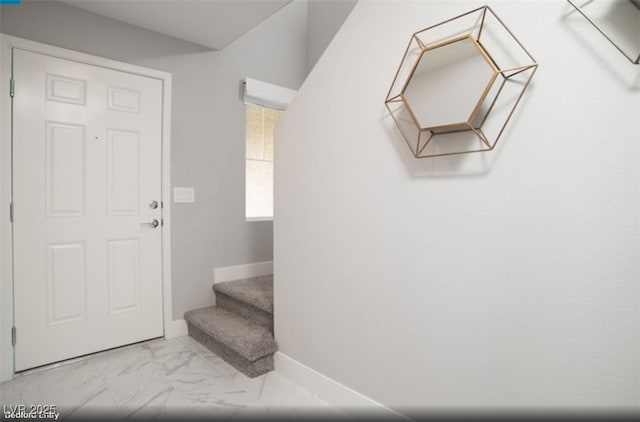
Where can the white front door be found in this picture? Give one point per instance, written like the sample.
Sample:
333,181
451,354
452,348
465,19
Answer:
86,174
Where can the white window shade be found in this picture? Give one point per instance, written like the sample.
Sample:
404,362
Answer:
267,95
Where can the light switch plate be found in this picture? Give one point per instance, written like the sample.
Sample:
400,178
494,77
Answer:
183,195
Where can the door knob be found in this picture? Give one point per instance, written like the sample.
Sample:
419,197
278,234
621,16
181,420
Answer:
154,223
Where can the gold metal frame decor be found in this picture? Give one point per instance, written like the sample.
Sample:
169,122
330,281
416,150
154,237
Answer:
458,85
617,20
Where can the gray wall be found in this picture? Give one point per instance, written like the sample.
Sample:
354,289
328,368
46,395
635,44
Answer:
207,123
506,279
325,17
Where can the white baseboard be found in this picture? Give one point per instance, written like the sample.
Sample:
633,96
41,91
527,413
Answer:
242,271
177,328
331,390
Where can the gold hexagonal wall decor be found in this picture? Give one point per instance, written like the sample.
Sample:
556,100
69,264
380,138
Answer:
458,85
617,20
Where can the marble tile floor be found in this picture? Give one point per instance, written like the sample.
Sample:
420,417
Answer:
162,378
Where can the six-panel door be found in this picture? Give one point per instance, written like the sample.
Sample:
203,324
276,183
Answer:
86,167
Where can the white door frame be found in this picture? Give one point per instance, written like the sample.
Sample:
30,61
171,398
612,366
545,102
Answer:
6,256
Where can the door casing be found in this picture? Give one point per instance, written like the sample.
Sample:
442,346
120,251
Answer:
7,43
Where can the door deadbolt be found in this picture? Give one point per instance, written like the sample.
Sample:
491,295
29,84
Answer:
153,205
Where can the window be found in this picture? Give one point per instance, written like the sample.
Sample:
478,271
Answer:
265,103
261,121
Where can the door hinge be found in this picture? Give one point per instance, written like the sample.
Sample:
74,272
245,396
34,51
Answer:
11,212
12,87
14,336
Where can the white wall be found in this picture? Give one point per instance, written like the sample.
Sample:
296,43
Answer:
501,279
207,128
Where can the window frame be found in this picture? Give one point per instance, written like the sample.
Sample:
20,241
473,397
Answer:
268,97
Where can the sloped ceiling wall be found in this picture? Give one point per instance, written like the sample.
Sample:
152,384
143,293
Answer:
212,23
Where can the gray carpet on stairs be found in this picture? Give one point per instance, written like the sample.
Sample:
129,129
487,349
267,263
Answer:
240,327
248,312
256,291
249,340
249,368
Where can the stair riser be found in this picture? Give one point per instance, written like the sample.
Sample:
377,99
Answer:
249,312
249,368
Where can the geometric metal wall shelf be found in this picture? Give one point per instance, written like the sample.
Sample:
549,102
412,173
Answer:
458,85
617,20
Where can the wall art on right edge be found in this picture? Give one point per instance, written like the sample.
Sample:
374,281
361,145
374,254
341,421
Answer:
458,85
617,20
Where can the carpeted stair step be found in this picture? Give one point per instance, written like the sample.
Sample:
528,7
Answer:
251,298
246,346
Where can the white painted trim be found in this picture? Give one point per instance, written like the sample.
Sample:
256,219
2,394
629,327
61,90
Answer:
167,295
254,219
176,328
330,390
6,285
268,95
6,288
242,271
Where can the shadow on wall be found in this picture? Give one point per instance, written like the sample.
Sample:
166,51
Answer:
596,44
465,165
471,165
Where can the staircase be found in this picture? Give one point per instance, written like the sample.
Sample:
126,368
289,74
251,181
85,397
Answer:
239,328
